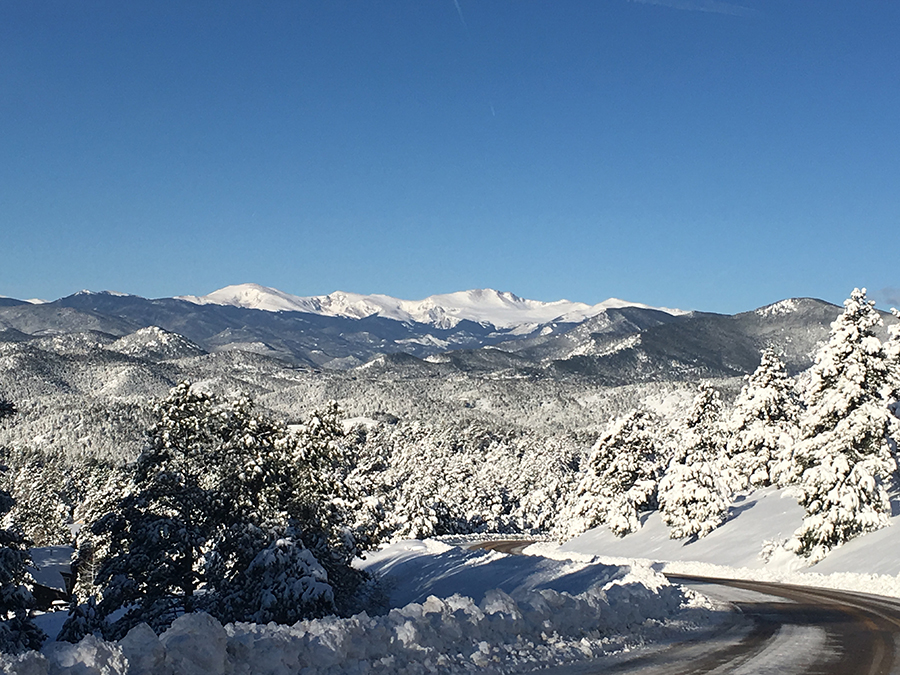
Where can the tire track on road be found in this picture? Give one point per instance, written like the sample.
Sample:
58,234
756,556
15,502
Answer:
842,633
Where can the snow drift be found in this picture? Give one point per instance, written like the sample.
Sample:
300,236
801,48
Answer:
535,621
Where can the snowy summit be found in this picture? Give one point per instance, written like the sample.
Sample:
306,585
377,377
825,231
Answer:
484,306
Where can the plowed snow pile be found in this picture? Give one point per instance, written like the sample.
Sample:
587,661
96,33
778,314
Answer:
454,611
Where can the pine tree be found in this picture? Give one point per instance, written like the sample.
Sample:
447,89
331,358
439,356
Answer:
620,476
763,425
693,494
103,488
843,456
324,506
892,353
283,583
216,490
160,534
83,619
17,630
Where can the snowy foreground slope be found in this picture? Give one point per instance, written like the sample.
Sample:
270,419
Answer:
747,546
455,611
460,611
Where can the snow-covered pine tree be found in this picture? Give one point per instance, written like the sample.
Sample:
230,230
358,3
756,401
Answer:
620,477
419,512
103,487
159,529
543,480
325,506
83,619
366,480
892,352
323,462
283,583
40,511
843,457
17,631
217,485
763,425
693,493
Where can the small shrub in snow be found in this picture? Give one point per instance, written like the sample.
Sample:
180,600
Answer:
770,547
83,619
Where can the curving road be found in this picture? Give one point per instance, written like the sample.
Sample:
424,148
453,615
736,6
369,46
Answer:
790,629
779,629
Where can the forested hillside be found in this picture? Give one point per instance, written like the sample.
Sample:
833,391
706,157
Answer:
243,485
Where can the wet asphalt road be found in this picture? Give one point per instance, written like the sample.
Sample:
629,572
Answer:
778,629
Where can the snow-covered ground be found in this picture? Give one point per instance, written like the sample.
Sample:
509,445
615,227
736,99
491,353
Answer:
459,611
747,546
454,611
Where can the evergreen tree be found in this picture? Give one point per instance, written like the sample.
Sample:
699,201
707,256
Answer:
217,487
420,512
17,631
283,583
843,456
40,511
892,353
693,494
763,426
324,506
102,490
83,619
620,476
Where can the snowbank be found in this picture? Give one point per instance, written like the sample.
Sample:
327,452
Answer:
456,611
746,546
767,515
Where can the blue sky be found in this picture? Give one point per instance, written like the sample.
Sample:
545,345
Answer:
700,154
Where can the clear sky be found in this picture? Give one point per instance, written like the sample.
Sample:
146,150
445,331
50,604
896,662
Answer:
702,154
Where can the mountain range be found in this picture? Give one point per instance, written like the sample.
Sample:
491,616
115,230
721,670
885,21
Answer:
502,310
613,342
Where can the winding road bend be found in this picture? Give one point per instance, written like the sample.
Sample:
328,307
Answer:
778,629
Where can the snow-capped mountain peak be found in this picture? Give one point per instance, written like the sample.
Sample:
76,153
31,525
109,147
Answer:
252,296
485,306
115,294
780,307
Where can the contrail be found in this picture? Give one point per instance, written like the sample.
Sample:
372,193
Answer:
462,19
714,6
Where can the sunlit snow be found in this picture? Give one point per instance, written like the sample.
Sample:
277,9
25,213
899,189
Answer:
486,306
